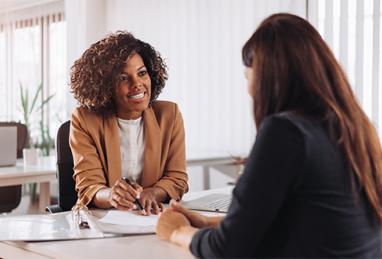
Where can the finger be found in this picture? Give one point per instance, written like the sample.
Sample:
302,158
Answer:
156,209
120,201
148,208
127,187
123,193
143,204
142,212
161,208
118,206
178,207
137,187
138,190
141,207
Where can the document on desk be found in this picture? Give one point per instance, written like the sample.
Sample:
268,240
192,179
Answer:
60,226
122,222
47,227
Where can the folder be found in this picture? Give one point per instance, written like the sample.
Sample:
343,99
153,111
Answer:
62,226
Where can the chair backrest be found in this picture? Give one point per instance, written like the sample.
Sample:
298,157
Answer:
66,185
10,196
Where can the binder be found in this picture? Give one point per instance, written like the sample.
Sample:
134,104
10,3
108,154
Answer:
64,226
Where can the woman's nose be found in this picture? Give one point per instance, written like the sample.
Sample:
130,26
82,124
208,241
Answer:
136,82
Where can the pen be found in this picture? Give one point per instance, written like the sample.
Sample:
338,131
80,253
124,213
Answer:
136,202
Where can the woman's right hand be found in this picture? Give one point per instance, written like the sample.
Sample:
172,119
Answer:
196,219
122,195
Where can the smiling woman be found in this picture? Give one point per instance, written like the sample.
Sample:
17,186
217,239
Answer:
121,132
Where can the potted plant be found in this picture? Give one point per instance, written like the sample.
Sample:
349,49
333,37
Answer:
30,106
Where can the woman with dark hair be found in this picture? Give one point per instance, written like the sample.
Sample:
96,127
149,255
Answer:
312,186
126,145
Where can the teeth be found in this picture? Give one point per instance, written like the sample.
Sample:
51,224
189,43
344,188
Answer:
137,96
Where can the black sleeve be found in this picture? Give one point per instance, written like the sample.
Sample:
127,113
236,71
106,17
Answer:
272,171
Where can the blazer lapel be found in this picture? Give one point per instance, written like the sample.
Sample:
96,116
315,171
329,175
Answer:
113,152
153,148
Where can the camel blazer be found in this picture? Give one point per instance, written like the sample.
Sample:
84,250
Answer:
94,141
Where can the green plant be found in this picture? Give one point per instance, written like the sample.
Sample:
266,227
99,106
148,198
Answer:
29,108
46,142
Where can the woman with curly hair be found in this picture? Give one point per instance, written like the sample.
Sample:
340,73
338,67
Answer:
127,147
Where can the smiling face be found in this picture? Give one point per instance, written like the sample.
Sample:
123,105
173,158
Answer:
132,95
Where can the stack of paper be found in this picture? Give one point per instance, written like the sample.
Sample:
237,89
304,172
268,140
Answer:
122,222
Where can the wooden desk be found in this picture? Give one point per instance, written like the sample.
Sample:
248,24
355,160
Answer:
137,246
43,173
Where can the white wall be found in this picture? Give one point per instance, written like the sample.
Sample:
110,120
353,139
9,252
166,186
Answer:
201,41
85,25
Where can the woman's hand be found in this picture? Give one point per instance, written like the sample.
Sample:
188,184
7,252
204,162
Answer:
196,219
174,227
150,200
169,221
122,195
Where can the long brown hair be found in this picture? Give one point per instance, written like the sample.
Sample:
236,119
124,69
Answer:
294,69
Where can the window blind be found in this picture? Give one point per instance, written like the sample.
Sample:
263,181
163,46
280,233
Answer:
33,52
352,30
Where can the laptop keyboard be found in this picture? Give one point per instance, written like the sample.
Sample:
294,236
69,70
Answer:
220,204
211,202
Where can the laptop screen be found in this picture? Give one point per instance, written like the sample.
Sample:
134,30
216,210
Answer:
8,145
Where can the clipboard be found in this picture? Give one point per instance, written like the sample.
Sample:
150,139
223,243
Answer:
62,226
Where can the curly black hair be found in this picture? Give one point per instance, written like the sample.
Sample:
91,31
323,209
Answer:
95,75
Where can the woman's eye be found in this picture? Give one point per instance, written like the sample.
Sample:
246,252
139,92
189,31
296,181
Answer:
142,73
123,78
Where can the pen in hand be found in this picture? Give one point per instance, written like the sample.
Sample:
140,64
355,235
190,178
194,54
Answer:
136,202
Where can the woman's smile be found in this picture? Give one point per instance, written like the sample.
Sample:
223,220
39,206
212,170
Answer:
137,97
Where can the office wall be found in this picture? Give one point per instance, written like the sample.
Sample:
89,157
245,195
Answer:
201,41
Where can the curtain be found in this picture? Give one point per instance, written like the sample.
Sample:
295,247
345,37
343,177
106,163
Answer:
352,30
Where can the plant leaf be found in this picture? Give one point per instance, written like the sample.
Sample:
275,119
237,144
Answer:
35,98
45,102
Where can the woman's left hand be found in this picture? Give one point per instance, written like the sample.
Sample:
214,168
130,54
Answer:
169,221
149,201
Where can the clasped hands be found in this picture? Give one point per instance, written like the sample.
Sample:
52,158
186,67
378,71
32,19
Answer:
178,224
123,195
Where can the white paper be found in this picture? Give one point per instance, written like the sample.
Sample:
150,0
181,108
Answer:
128,218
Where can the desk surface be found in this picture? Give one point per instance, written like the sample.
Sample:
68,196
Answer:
211,158
138,246
44,173
45,170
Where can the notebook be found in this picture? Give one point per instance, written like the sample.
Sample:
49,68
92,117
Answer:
8,145
212,202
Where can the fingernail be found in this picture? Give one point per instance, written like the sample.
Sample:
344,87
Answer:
134,206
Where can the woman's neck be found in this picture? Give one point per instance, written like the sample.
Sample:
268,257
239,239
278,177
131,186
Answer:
129,115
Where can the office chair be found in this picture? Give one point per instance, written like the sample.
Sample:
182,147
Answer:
10,196
67,195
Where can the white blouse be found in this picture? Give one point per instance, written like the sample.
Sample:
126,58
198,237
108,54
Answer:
132,146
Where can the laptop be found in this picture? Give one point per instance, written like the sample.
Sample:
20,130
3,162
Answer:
8,145
212,202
